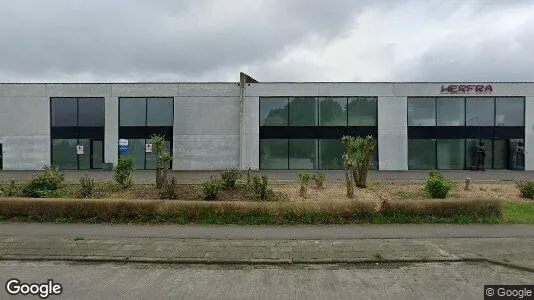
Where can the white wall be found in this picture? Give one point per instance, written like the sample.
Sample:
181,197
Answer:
529,133
206,127
392,133
24,126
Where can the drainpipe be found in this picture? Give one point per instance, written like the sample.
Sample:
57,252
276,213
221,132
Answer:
241,119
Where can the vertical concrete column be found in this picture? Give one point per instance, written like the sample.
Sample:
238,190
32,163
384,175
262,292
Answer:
111,135
392,133
251,144
529,133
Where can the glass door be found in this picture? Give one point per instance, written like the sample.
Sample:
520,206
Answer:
97,154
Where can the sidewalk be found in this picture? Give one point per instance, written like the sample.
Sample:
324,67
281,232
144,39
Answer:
515,252
146,176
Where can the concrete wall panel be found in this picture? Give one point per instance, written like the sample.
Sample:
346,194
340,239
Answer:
78,90
205,152
282,89
206,115
209,89
144,89
26,152
251,139
111,134
22,90
392,133
24,116
529,133
355,89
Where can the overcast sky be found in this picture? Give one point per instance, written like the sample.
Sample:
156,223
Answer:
271,40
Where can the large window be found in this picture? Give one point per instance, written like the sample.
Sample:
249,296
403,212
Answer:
304,133
139,119
333,111
451,111
363,111
480,111
421,112
460,126
510,111
421,154
77,131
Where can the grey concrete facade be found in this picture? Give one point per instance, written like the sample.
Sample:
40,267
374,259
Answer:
216,125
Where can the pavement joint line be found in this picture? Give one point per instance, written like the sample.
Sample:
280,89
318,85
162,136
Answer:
282,261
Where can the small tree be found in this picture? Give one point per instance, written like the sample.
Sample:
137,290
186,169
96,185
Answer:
162,158
356,158
123,171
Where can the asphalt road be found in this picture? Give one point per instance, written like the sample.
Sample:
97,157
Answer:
384,281
400,231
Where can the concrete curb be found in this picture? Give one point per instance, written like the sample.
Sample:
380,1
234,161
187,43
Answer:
204,261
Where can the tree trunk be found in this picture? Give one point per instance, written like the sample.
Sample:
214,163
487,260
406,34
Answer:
349,180
158,178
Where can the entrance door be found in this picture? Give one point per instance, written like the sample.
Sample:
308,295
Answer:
97,154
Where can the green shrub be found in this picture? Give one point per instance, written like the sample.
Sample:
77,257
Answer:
435,173
169,191
526,187
229,178
438,187
10,190
123,171
44,185
319,179
259,188
304,180
210,188
87,186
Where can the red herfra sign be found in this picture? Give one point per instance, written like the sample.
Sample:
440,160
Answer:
467,89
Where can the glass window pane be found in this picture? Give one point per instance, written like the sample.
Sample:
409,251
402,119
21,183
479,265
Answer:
517,154
362,111
303,154
480,111
132,111
91,112
136,149
451,154
510,111
333,111
421,154
159,112
471,152
97,154
302,111
330,152
64,154
85,158
273,111
451,111
421,112
500,154
373,164
273,154
64,111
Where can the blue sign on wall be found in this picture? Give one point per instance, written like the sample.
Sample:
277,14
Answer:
123,146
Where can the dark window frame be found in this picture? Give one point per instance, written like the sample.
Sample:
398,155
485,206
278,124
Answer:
467,132
145,132
77,132
317,132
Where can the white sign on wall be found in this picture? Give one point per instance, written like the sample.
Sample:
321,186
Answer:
79,149
123,142
148,148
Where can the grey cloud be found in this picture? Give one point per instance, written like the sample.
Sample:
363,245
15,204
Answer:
502,58
140,38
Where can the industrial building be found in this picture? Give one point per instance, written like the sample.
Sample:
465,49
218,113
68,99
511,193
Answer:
267,125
